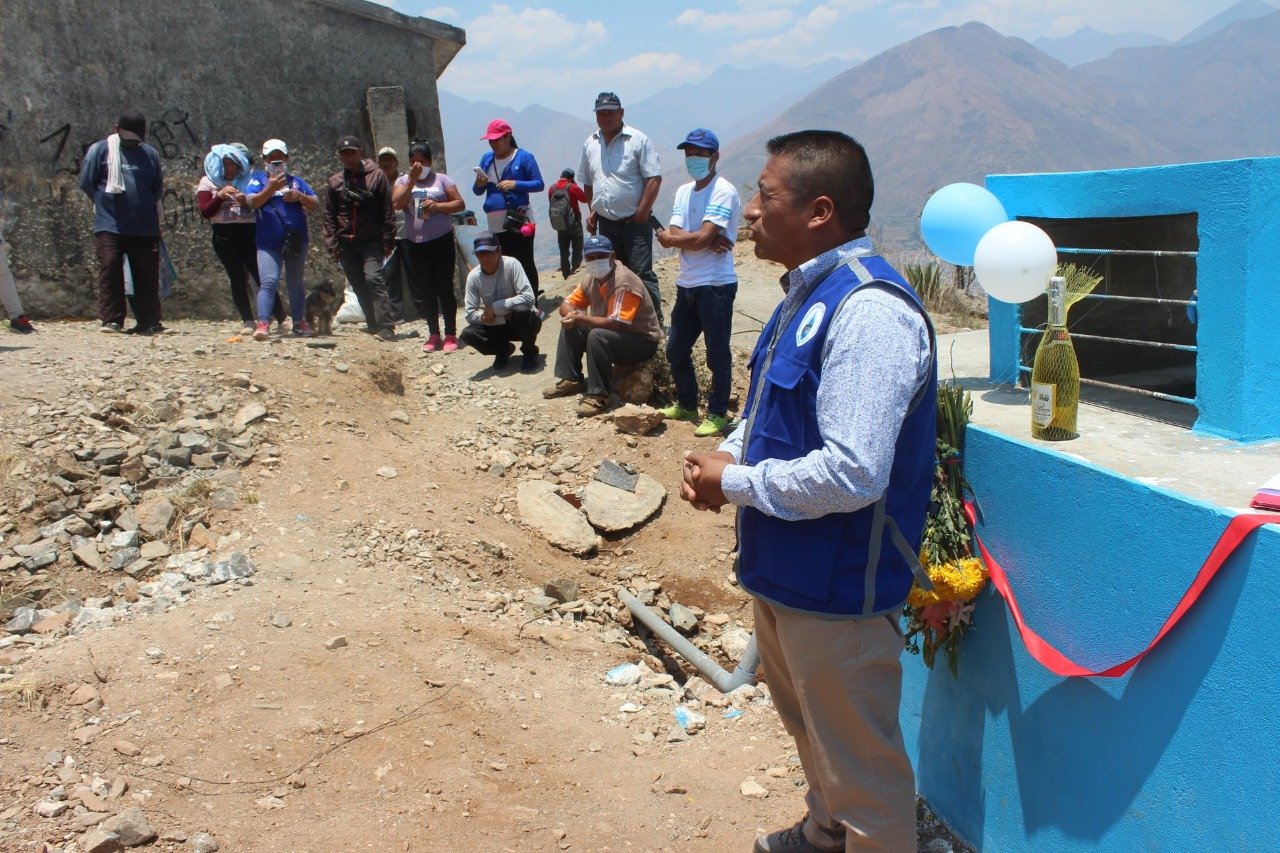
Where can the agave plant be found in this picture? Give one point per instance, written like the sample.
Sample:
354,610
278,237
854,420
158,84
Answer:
926,280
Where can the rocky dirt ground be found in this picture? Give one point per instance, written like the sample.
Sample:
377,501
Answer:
286,597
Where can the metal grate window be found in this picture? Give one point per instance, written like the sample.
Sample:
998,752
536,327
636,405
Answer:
1135,335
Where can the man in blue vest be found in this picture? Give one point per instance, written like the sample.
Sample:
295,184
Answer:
831,472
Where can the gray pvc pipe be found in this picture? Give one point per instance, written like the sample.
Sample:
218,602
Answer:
725,682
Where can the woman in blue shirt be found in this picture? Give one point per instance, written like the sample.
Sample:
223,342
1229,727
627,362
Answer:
506,176
282,202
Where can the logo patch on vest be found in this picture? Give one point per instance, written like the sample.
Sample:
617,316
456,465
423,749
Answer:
809,325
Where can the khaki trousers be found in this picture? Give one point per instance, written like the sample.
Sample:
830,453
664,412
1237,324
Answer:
837,684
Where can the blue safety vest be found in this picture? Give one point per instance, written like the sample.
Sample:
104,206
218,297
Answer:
851,564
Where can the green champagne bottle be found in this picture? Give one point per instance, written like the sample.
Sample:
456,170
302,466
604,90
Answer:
1055,375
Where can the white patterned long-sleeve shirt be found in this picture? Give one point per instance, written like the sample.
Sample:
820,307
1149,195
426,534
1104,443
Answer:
876,358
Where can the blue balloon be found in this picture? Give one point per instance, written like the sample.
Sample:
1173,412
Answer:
956,217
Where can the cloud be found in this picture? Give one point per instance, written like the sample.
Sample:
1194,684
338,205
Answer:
1165,18
635,76
530,31
796,44
738,22
441,13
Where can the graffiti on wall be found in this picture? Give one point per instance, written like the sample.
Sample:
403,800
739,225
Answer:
61,146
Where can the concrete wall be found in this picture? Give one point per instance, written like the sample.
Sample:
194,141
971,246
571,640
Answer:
1180,754
203,72
1238,206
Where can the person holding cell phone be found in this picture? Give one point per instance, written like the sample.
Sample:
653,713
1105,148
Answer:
282,202
222,202
429,199
505,177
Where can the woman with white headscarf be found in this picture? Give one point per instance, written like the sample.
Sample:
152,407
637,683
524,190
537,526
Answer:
221,199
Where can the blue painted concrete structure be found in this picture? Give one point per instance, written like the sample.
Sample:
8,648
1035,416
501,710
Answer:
1238,207
1183,753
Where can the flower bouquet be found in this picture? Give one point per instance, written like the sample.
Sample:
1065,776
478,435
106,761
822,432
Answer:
937,619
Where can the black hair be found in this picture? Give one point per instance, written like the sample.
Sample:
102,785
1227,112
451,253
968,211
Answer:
422,147
832,164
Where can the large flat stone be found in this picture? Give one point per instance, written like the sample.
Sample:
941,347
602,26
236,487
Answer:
564,526
612,509
248,414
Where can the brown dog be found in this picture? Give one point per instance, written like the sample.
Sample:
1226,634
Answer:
321,306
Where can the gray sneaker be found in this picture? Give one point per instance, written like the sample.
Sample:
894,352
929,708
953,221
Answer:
110,328
789,840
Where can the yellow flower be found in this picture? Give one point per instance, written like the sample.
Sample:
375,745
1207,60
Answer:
959,580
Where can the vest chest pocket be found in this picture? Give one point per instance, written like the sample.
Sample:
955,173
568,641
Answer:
786,425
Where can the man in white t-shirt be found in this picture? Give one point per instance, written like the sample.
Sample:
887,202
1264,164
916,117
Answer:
704,227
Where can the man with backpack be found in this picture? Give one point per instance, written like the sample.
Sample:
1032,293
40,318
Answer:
566,219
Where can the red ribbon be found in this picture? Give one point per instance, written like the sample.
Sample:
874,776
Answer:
1238,529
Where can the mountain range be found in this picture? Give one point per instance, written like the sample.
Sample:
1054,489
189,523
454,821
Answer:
961,103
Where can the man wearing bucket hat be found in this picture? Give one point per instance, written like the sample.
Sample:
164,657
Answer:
499,307
610,319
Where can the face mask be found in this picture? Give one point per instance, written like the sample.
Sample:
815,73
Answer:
599,268
698,167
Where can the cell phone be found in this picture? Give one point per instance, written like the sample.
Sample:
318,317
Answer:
276,167
656,224
480,173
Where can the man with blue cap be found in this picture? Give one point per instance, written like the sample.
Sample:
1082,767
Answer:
704,227
500,308
611,320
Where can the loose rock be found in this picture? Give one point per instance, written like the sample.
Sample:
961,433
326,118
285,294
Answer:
203,842
100,841
682,618
637,420
565,527
248,414
611,509
562,590
131,827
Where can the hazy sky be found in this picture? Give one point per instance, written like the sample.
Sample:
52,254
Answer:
559,53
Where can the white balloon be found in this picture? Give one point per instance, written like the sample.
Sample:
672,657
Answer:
1014,260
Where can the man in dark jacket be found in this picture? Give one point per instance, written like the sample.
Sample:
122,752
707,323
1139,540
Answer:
360,231
123,176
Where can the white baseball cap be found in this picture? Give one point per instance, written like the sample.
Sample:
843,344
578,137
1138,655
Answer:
274,145
387,149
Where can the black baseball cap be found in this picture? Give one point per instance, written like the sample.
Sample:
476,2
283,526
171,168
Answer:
133,126
348,142
486,242
608,101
